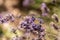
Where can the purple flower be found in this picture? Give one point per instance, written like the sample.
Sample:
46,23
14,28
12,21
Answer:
36,27
56,18
12,18
1,19
0,16
23,25
33,19
44,14
26,3
4,21
42,29
43,5
30,20
33,26
44,9
55,27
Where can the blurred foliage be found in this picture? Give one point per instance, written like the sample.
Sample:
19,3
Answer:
37,4
1,32
54,8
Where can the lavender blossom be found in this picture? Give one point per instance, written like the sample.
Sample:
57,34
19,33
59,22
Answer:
1,19
26,3
54,26
12,18
0,16
23,24
44,9
4,21
44,14
43,5
29,26
34,27
30,20
55,17
33,18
